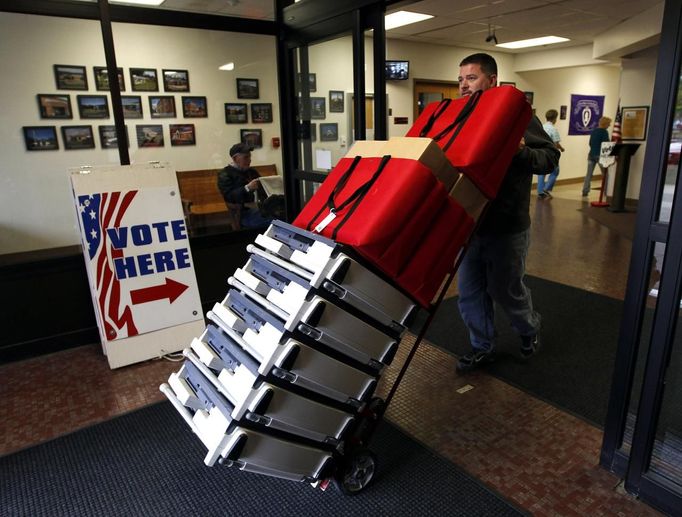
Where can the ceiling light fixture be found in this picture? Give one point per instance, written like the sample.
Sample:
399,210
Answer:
401,18
138,2
533,42
227,66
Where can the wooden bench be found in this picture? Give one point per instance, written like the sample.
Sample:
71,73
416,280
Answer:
201,198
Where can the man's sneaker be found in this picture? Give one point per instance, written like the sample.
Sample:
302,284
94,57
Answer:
542,195
530,345
548,194
475,359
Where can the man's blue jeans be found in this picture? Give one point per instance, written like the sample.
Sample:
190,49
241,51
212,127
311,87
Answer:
492,273
546,181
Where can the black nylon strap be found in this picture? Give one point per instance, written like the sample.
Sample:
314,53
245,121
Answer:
460,119
360,193
337,188
440,109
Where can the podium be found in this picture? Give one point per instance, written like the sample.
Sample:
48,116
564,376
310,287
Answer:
623,151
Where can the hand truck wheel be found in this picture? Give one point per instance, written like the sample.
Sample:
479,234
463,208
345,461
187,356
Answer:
356,471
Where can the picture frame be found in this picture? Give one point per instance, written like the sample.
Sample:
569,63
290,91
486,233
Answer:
149,135
336,101
329,132
54,106
194,107
108,139
132,106
93,106
247,88
144,80
562,112
236,113
40,138
78,137
101,74
261,112
318,108
162,106
634,122
508,83
175,80
182,134
252,137
70,77
529,97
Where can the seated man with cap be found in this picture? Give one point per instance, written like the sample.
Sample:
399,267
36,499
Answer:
238,183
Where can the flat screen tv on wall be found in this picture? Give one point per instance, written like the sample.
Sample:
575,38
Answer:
397,70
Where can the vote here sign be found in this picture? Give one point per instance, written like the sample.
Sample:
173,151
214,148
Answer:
136,250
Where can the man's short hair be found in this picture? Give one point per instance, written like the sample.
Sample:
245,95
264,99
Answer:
240,148
485,61
551,115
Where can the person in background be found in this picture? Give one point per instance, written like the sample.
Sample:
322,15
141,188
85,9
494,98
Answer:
598,135
238,183
493,266
546,182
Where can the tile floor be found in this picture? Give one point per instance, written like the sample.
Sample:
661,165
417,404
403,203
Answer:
534,454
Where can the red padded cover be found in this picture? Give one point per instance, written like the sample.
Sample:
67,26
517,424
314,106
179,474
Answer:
487,140
383,224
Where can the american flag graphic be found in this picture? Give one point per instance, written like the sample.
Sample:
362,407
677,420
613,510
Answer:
615,134
98,212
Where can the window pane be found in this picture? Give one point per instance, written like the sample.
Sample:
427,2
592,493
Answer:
673,165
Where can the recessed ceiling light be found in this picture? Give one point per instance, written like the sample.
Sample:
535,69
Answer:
227,66
400,18
533,42
138,2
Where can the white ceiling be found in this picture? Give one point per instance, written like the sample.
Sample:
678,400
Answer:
466,24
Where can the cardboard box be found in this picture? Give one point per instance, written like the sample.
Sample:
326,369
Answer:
424,150
469,197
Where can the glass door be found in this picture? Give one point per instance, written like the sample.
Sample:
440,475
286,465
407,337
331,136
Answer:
643,433
328,60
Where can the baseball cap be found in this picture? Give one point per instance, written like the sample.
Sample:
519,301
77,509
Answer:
240,148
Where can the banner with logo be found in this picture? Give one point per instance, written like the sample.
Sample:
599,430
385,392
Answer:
138,260
586,110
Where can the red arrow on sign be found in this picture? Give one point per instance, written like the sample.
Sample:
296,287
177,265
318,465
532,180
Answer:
171,290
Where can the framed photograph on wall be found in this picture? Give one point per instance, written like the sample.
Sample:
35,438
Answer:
102,78
144,80
335,101
634,123
318,108
108,139
329,132
507,83
175,80
261,112
40,138
182,134
194,107
93,106
529,97
252,137
247,88
149,135
70,77
132,106
78,137
235,113
162,106
54,106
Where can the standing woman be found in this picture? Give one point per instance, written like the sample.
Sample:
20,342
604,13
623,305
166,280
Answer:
597,136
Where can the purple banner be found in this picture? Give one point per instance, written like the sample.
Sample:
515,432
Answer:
586,110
